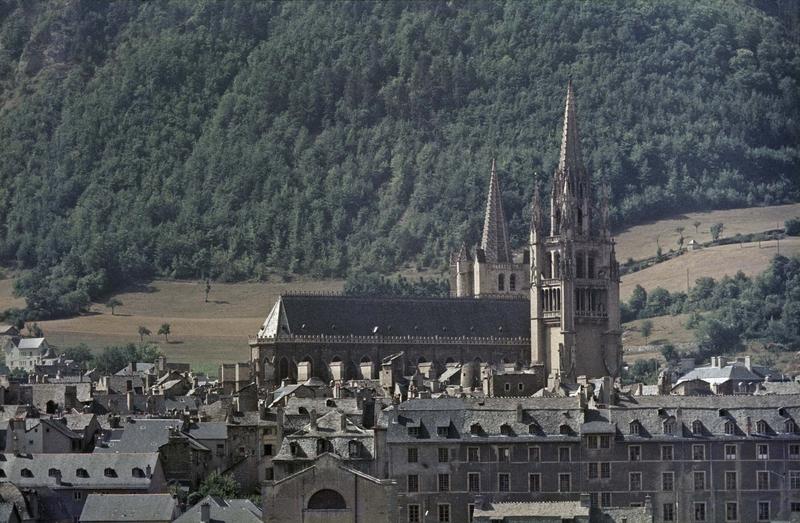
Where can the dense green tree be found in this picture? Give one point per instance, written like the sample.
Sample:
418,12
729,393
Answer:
233,140
143,331
716,231
113,303
646,328
164,330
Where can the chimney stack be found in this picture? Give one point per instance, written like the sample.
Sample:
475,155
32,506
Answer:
205,512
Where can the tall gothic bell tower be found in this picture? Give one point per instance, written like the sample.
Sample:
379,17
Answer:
574,274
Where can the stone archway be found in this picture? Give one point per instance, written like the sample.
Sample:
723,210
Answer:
327,499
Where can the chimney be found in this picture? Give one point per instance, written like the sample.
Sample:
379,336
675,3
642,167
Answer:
520,413
133,366
129,398
148,471
313,421
748,363
342,422
205,512
722,361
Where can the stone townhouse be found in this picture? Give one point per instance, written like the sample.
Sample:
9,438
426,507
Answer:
733,458
42,435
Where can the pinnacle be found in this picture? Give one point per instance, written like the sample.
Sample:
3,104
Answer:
495,243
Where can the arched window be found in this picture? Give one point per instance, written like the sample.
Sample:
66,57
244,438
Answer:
790,427
512,282
475,429
533,428
633,427
326,499
82,473
110,473
556,265
136,472
564,429
324,446
697,428
579,265
501,282
26,473
730,428
669,426
762,427
506,430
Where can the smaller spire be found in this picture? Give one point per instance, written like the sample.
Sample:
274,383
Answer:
537,217
495,242
604,209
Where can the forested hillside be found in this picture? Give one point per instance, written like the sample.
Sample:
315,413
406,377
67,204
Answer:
237,139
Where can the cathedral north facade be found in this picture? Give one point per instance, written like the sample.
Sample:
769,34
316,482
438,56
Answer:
552,309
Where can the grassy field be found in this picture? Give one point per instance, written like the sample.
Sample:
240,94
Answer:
640,241
750,258
203,334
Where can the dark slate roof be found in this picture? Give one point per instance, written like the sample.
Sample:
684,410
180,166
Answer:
359,316
40,464
224,511
129,507
7,511
139,435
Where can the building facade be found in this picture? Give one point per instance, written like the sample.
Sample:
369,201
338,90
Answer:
736,459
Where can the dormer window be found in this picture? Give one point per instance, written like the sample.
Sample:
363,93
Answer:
634,427
697,428
723,413
762,427
354,449
294,448
2,473
790,427
26,473
323,446
505,430
413,432
110,473
533,428
136,472
53,473
475,429
564,429
730,428
82,473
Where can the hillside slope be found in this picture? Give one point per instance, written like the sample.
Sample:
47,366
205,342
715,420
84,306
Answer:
234,139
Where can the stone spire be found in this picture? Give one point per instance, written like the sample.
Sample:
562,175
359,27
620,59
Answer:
569,161
495,243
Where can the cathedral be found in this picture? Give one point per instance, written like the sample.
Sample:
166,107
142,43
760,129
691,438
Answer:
553,309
